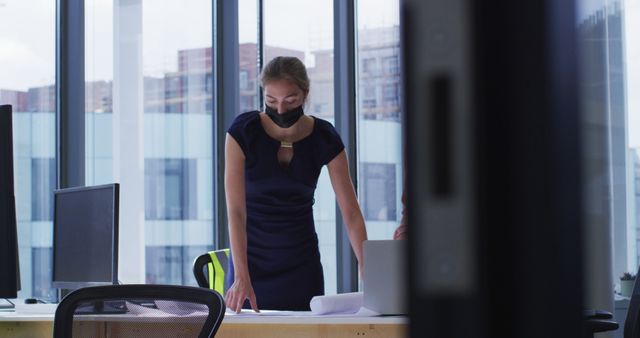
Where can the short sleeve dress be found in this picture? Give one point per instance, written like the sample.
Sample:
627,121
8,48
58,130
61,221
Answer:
282,244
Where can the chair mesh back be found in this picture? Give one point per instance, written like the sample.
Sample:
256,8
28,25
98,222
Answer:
139,311
139,318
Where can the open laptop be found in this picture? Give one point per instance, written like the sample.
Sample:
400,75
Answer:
385,285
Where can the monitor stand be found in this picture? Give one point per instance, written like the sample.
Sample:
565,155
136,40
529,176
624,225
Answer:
6,304
102,307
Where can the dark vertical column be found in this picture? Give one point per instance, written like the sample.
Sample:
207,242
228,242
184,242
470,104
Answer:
345,122
494,174
226,70
444,261
529,167
70,152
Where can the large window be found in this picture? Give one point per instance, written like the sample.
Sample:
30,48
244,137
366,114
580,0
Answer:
610,77
149,92
304,29
631,66
378,191
27,78
170,189
379,129
378,149
248,53
149,88
43,182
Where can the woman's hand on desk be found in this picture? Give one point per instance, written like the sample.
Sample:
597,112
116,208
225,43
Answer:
240,290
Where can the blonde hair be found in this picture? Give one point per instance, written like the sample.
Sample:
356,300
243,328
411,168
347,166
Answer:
286,68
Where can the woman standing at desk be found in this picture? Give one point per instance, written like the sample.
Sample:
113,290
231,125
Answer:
273,160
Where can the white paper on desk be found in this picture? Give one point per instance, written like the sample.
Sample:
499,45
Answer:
169,309
268,313
337,304
362,312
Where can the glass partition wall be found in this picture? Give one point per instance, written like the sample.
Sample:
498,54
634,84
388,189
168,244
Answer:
380,163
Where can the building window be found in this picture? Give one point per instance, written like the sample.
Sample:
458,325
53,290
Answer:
368,66
208,85
369,97
163,264
41,268
379,191
170,189
391,64
244,80
172,264
390,94
43,178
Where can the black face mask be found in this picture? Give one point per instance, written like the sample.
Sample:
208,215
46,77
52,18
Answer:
284,120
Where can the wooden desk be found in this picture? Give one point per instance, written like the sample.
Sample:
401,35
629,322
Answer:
240,326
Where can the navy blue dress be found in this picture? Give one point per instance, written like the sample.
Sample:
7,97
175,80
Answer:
282,244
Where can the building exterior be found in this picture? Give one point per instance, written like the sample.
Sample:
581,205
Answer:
16,98
41,99
379,73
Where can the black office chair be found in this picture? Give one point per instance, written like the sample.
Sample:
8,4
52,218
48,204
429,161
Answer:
139,311
595,321
602,321
632,322
210,268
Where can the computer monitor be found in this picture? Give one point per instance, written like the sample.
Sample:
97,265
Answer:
85,236
9,266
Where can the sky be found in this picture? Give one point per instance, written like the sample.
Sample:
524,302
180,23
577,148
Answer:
27,41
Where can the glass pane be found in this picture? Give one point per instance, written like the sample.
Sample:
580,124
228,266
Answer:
631,47
609,76
248,38
379,126
27,79
149,111
304,29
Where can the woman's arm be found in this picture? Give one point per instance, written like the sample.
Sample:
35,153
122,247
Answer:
346,196
401,231
237,213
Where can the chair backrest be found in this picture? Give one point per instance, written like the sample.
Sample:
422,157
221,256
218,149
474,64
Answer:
632,321
139,311
210,269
